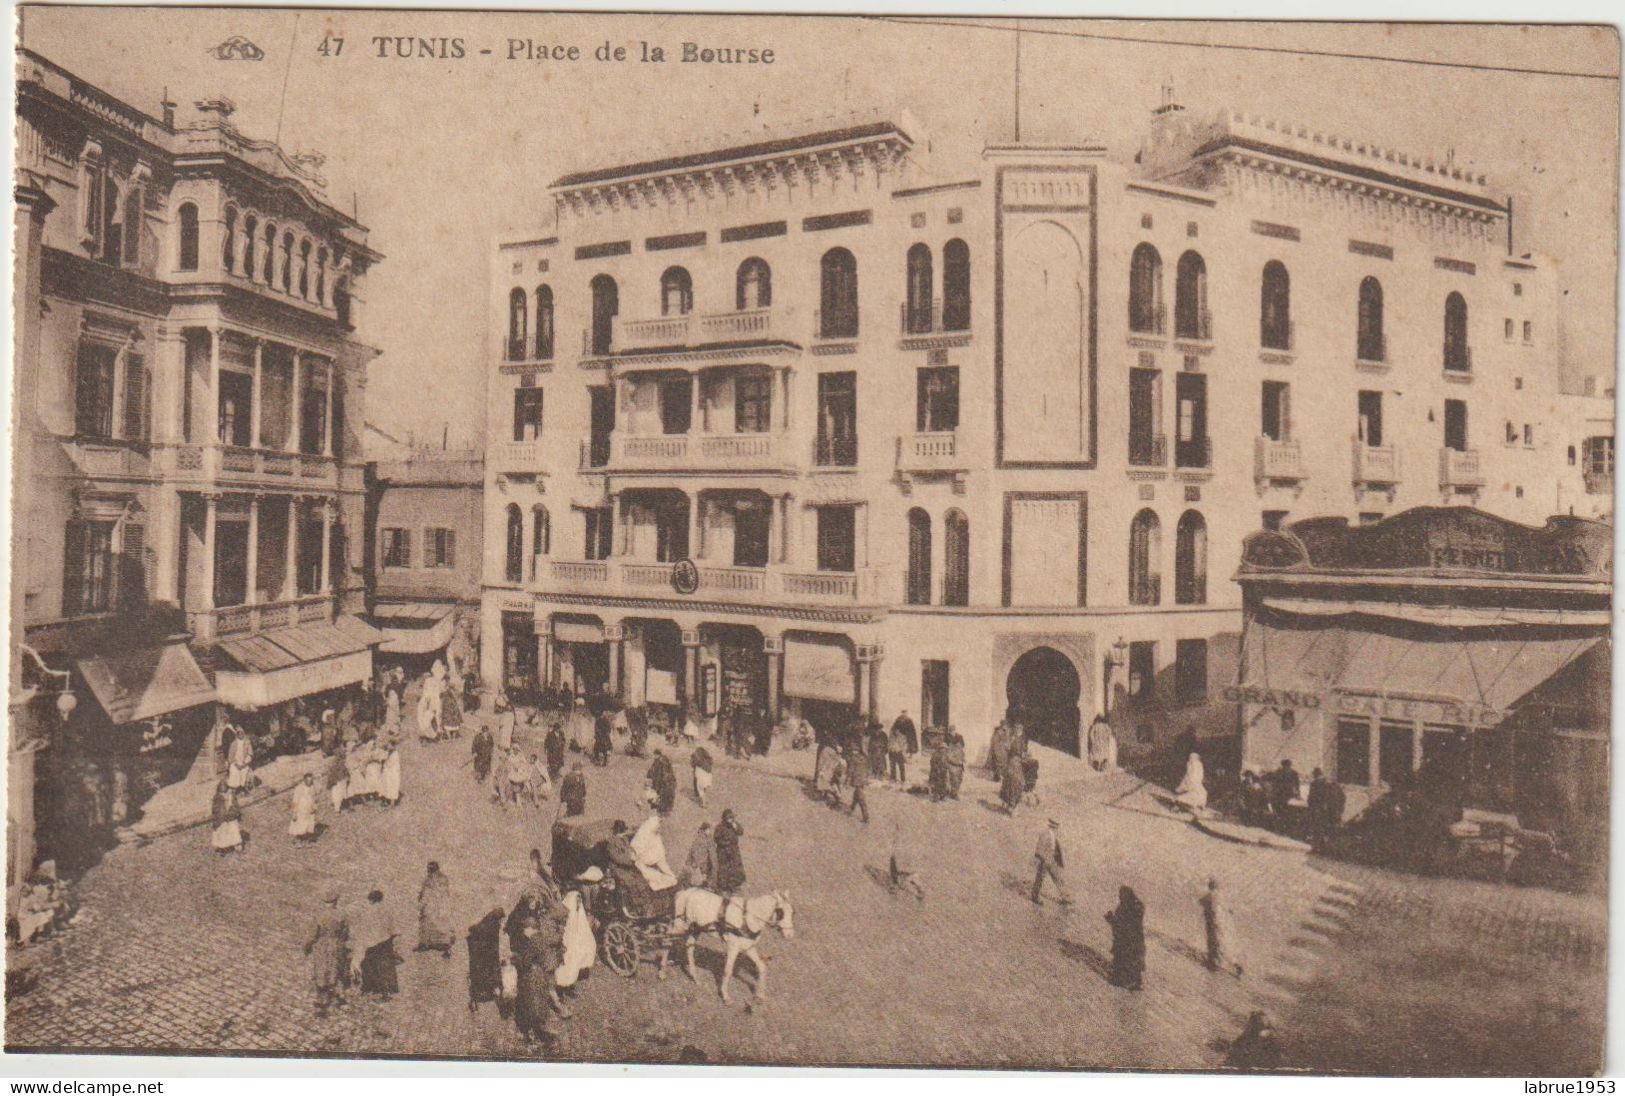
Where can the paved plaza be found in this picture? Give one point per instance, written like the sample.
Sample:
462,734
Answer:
1361,969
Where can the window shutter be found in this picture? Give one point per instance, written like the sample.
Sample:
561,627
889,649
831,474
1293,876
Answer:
450,559
73,568
429,554
133,566
136,397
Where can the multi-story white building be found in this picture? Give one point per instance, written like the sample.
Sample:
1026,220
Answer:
189,395
987,445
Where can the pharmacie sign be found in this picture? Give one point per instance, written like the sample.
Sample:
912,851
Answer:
1366,704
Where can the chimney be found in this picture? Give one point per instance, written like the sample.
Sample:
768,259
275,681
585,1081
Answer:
169,110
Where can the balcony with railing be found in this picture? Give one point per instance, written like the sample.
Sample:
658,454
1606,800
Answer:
1460,468
1277,460
768,451
1278,338
933,323
1193,454
1458,359
1375,464
214,462
1371,351
694,329
516,456
835,326
835,450
1148,450
236,621
1193,325
753,585
930,451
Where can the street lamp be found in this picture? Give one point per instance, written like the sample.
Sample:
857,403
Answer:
1114,661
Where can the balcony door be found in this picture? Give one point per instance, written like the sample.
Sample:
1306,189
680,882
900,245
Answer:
1455,425
1277,419
1371,419
838,418
676,405
1191,444
1143,387
753,520
602,423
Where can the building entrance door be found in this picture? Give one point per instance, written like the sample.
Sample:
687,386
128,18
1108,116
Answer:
1042,691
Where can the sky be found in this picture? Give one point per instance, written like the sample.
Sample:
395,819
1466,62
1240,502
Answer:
439,157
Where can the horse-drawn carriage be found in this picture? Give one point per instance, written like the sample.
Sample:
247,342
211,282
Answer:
634,922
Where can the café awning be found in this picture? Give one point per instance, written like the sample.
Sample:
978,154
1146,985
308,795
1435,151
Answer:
414,629
818,671
146,682
276,666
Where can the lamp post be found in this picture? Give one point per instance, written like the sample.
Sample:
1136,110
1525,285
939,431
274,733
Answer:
1114,661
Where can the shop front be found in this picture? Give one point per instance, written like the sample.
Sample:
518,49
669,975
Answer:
1444,651
820,681
581,654
519,668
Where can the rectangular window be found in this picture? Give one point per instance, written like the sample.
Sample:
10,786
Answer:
937,400
1190,671
396,547
753,404
1142,670
1396,752
752,521
89,580
837,538
676,405
1353,751
527,414
837,419
93,390
934,710
1512,433
1277,425
1444,752
602,425
439,548
137,397
1506,329
1528,331
600,532
1597,455
1145,444
1528,434
1455,425
1370,426
1191,442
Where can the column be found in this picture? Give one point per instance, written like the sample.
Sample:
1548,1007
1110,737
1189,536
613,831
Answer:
773,647
327,429
292,443
544,653
694,424
259,386
784,401
696,527
874,683
290,571
213,419
691,668
327,547
781,505
615,635
211,504
253,549
865,699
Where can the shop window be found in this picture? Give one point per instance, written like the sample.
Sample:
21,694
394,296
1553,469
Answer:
395,547
1190,671
1353,752
934,709
439,548
1142,670
1396,752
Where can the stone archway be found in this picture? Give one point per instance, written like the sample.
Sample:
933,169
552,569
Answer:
1042,692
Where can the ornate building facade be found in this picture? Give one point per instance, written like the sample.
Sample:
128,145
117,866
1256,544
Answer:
801,423
189,394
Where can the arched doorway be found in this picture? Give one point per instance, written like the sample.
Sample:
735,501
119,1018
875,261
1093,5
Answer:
1042,693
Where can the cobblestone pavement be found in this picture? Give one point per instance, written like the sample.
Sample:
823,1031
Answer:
1363,970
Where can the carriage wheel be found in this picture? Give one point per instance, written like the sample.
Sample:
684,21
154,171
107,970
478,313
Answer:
620,948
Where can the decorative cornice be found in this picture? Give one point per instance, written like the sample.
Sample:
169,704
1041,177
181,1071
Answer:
781,612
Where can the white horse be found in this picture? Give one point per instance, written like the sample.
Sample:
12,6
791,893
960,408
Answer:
740,922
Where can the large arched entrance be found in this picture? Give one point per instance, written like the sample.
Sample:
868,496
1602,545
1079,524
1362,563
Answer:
1042,694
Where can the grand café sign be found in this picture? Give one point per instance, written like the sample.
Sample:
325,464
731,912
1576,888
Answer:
1367,704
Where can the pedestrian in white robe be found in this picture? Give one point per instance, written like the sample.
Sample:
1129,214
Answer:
581,727
239,759
1192,790
580,946
428,709
303,826
649,849
1220,930
505,723
390,778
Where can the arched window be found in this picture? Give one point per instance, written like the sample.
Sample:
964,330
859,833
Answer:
228,242
1190,560
518,310
1145,311
251,228
186,215
1370,342
956,286
1144,560
515,569
287,262
321,275
1275,307
917,583
917,307
1456,354
544,323
838,295
270,254
541,532
304,270
956,559
753,285
1190,298
676,292
606,302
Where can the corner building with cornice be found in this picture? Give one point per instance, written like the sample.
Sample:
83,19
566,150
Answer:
800,423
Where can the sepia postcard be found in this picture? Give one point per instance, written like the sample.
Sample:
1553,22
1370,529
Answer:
939,541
